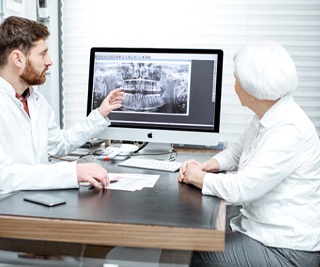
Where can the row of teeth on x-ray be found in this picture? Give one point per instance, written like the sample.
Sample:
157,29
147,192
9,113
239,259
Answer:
140,86
142,94
140,102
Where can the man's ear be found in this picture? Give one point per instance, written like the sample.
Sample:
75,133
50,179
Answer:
18,58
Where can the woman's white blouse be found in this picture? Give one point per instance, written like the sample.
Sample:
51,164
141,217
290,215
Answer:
276,177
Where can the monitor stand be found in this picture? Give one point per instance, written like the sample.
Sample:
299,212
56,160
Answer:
160,151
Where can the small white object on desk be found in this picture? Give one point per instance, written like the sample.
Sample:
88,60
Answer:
123,151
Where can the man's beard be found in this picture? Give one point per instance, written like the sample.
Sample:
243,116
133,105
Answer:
31,76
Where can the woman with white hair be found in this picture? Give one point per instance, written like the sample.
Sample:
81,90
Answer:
273,171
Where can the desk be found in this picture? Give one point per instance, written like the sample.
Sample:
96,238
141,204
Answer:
169,216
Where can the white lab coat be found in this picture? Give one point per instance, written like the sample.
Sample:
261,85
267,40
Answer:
26,142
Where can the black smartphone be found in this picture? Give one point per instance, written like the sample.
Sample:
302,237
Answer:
44,199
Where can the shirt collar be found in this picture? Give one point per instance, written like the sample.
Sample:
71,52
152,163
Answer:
274,114
7,88
24,95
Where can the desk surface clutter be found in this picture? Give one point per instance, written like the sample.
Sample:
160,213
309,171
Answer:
169,215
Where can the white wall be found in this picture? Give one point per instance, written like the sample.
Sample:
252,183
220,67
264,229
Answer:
18,8
28,9
51,89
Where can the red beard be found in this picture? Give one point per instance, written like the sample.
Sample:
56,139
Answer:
31,76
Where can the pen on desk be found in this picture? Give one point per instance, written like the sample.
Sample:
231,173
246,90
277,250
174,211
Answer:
105,158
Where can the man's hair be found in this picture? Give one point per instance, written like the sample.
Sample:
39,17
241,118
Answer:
265,70
19,33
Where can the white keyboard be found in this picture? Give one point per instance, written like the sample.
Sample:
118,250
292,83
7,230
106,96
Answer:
151,164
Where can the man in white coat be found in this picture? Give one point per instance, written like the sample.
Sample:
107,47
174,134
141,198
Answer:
28,131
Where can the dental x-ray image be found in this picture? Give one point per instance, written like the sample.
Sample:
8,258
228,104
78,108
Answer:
150,87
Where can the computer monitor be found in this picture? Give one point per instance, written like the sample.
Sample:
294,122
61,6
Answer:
173,96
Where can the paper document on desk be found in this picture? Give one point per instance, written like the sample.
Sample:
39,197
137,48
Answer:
132,181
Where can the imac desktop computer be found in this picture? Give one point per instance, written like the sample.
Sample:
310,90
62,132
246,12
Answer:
173,96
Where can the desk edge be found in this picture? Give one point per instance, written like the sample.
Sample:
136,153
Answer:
114,234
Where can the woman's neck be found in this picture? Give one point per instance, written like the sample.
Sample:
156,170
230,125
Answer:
260,107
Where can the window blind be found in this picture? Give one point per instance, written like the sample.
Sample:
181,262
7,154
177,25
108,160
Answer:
227,25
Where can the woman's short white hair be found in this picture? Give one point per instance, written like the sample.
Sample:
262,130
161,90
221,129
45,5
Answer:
265,70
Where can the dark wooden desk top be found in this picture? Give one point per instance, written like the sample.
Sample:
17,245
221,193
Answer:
170,215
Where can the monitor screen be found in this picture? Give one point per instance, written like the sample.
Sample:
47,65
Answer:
172,95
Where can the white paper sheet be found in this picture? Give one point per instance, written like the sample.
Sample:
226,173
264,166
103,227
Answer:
130,181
